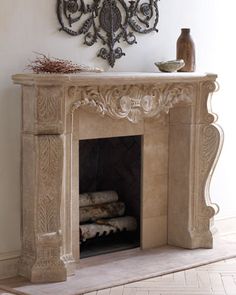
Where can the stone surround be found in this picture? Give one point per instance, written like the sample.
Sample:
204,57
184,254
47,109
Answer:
180,147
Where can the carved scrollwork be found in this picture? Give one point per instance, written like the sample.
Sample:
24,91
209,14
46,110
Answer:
206,114
209,147
132,102
211,144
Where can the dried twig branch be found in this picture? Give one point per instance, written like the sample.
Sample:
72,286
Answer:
46,64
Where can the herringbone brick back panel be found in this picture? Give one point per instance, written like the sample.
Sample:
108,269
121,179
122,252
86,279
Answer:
112,164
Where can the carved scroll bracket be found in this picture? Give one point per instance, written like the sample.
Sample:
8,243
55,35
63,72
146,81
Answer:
131,102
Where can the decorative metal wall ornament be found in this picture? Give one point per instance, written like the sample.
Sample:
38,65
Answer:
108,21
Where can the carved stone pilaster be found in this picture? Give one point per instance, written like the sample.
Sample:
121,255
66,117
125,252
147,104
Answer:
46,250
208,145
42,183
43,109
195,145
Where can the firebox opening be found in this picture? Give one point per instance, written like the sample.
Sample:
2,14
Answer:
110,190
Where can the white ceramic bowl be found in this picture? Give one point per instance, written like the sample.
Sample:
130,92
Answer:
170,65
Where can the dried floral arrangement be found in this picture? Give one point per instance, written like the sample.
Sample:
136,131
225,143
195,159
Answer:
46,64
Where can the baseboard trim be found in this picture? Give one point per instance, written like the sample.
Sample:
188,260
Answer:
226,225
9,264
9,255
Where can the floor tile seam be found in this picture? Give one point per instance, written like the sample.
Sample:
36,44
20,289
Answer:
174,288
160,284
163,285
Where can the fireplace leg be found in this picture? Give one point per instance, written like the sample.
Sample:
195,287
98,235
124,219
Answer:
42,187
194,148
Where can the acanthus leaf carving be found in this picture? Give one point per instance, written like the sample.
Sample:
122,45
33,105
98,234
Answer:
50,166
132,102
48,110
211,145
48,104
48,265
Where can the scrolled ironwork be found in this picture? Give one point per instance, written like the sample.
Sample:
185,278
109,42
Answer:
108,21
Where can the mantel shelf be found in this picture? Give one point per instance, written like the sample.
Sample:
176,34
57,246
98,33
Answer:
84,78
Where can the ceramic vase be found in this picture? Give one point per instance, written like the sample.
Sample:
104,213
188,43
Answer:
185,49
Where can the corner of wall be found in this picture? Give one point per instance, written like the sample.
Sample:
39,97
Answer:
9,264
226,225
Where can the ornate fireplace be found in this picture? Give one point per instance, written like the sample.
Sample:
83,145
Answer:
180,147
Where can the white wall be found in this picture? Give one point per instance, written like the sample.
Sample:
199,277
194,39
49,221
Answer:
31,25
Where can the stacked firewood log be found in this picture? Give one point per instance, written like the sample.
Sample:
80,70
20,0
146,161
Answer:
101,214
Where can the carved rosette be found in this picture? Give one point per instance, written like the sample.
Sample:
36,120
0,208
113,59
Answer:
131,102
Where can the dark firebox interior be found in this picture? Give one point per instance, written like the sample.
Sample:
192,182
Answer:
112,164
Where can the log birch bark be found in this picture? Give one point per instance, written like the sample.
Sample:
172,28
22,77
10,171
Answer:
95,198
107,226
93,213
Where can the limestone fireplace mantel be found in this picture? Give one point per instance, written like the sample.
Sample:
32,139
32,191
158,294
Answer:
181,145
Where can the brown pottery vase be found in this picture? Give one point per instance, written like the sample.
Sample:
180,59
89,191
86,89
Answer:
185,49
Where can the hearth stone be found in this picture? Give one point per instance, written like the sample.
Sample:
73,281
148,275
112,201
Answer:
180,148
